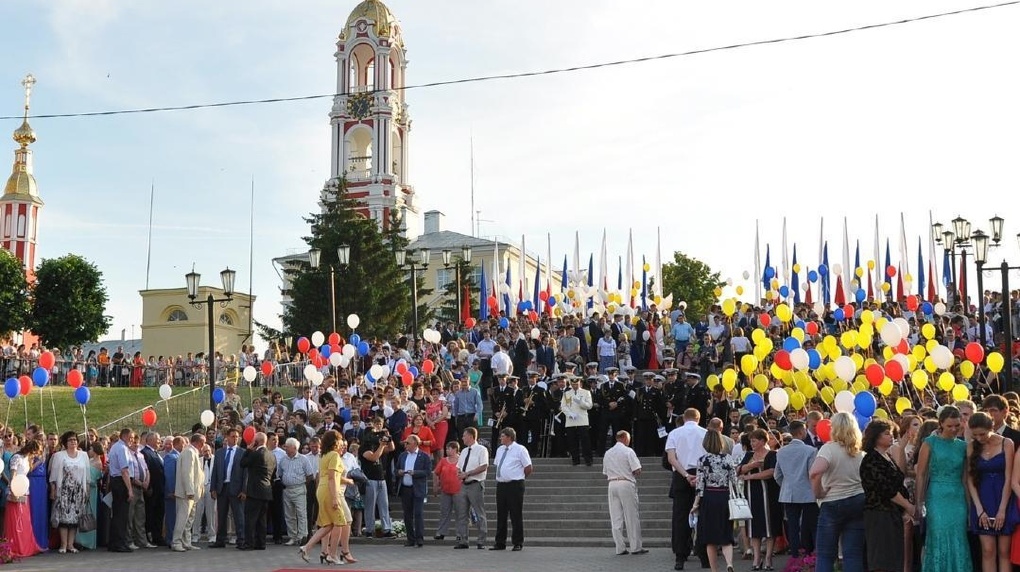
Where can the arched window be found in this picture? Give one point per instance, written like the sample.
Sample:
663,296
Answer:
226,319
177,316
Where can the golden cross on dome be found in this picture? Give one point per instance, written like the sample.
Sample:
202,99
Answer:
28,83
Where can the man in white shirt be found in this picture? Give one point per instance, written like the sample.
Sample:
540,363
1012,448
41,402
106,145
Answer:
513,465
622,467
501,364
305,402
683,449
473,464
575,405
205,504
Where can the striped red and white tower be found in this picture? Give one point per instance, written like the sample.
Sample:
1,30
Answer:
20,203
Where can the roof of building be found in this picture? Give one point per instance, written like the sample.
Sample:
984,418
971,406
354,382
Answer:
450,240
130,346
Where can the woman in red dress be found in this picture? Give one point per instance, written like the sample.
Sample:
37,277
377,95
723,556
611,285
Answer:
18,516
418,427
437,414
137,369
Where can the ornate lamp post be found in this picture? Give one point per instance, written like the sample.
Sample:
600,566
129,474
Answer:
343,255
465,256
227,278
408,262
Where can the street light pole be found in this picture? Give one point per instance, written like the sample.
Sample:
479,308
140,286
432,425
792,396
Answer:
1007,323
980,240
343,253
465,258
414,266
227,278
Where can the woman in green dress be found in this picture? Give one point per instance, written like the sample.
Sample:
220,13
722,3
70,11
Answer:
88,539
942,495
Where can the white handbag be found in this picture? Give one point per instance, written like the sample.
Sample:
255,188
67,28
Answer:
740,509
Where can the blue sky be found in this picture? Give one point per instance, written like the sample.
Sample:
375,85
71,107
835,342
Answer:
902,119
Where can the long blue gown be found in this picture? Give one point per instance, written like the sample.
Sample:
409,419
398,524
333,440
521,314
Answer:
945,546
39,500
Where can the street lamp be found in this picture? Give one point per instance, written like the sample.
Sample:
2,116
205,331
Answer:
227,278
980,240
465,257
343,254
414,266
959,237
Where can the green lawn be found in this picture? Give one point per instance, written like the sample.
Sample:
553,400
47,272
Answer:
60,411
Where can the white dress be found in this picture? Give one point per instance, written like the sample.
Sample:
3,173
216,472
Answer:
70,475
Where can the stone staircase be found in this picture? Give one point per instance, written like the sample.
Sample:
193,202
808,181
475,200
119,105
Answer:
566,505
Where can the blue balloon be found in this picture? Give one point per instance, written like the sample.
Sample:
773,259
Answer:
369,377
791,343
784,291
355,339
862,420
812,276
82,395
838,315
325,350
551,301
770,273
12,387
40,377
814,359
754,404
860,294
927,309
345,414
414,370
363,349
521,307
823,270
800,324
864,403
219,395
504,323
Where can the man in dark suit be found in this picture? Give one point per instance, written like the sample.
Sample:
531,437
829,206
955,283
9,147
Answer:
154,505
997,408
226,486
413,469
260,466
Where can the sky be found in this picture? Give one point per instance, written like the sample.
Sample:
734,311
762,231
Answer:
905,120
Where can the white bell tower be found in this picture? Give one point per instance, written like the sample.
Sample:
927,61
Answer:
369,119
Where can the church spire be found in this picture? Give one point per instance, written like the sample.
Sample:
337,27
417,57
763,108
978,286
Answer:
21,184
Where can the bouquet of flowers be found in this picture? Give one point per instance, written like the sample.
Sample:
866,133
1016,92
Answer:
801,563
6,551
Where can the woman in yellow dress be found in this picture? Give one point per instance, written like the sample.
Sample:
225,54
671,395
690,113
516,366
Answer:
334,517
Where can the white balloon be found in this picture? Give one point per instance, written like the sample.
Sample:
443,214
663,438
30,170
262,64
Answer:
940,308
207,418
504,288
349,351
344,361
437,336
1,465
891,334
729,282
845,368
378,371
165,391
645,335
942,356
535,333
317,379
250,373
837,269
779,399
19,485
352,321
746,275
904,326
819,308
683,305
335,358
904,361
844,402
799,358
309,371
318,338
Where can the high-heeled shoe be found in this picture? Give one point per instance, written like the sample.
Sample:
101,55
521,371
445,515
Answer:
329,560
303,554
347,557
323,557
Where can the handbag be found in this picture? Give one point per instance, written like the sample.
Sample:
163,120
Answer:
740,509
87,521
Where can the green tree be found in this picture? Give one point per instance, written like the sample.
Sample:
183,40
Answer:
690,280
394,237
448,309
371,285
69,302
15,307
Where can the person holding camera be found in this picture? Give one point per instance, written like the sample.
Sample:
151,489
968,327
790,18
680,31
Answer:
375,448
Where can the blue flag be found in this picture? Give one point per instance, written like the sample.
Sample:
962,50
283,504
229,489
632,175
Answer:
794,280
947,269
768,264
826,293
920,270
483,306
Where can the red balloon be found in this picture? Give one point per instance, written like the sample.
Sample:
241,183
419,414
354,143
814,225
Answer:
543,295
533,316
960,354
47,360
812,328
764,319
335,348
493,301
848,311
428,366
406,378
890,271
824,430
313,353
249,434
401,367
894,370
303,344
318,361
912,303
26,384
903,347
267,368
74,378
783,359
469,323
334,339
975,353
148,417
875,374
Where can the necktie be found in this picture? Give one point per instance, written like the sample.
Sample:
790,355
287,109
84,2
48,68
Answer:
230,455
466,457
502,458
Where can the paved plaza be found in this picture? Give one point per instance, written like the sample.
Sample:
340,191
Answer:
378,557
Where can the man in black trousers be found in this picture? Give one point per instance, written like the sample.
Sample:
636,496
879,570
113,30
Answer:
226,486
260,467
120,488
154,506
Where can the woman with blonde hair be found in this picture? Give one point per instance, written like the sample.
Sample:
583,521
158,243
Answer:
716,476
941,495
836,481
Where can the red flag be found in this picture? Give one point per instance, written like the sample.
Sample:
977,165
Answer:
899,285
807,295
871,291
465,305
839,298
932,294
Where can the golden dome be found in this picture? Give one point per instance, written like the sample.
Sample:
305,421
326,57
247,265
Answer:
24,135
377,13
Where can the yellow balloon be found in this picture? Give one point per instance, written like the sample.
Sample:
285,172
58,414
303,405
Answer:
769,295
858,361
788,377
859,272
860,386
946,381
711,381
887,353
749,363
633,293
775,284
960,392
745,392
809,390
995,362
797,334
740,290
729,306
866,330
760,383
881,413
886,387
902,404
967,369
879,323
911,362
784,313
760,353
871,265
828,394
931,345
834,352
611,307
867,316
863,341
798,400
796,268
776,371
757,335
571,294
848,339
636,285
838,385
928,331
717,292
886,287
830,341
918,352
647,267
729,379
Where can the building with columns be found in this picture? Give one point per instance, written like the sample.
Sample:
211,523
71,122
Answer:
20,203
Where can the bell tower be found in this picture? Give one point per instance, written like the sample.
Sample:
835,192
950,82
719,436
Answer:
369,119
20,203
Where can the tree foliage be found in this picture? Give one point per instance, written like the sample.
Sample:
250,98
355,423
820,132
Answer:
371,285
15,307
69,302
690,280
448,309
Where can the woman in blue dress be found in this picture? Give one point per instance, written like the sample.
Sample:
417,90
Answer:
993,514
941,495
39,501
